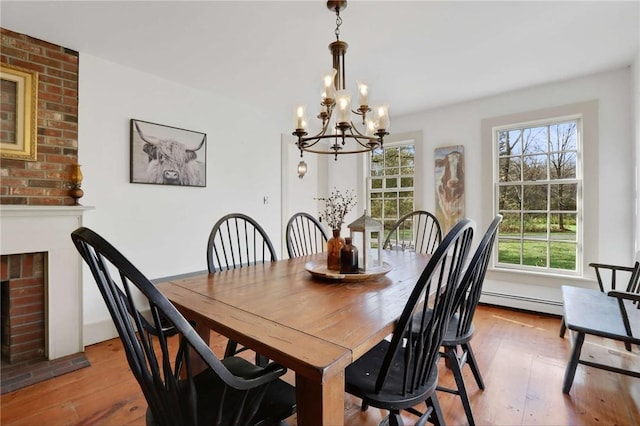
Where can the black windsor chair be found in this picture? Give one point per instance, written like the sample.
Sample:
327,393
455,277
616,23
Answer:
460,329
227,391
305,235
398,374
237,241
416,231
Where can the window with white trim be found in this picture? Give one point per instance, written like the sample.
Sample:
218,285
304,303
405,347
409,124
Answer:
538,190
392,174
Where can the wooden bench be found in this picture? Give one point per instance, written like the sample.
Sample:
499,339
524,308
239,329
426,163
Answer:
609,314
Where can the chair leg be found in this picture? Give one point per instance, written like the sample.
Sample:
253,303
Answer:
471,359
436,416
395,419
462,391
570,372
563,328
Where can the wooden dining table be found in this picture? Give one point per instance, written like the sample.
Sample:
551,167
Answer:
313,326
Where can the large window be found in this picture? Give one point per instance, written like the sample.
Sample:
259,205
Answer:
538,191
391,182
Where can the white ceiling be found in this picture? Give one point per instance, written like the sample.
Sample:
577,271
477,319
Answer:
414,55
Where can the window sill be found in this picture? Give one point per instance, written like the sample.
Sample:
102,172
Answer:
539,279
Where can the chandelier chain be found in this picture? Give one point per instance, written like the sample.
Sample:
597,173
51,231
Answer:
338,23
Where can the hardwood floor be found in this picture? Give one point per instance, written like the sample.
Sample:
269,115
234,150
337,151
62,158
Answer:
521,357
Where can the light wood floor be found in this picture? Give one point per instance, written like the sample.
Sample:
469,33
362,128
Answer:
520,355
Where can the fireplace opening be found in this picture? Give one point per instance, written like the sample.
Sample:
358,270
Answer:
22,296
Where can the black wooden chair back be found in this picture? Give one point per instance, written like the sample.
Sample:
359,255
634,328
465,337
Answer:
417,231
401,373
305,235
615,273
237,240
228,391
471,286
457,339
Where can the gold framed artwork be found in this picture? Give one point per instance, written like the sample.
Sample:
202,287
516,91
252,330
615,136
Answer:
19,117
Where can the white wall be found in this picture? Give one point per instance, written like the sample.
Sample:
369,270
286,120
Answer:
163,230
461,124
635,70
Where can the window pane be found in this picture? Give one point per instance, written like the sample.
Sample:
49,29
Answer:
406,182
534,253
563,165
563,136
391,209
535,225
376,183
536,140
509,251
391,157
406,206
510,142
376,208
563,255
563,227
509,169
407,194
511,225
510,197
534,167
392,182
564,196
535,197
375,195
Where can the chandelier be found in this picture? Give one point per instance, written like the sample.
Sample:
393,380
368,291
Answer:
335,110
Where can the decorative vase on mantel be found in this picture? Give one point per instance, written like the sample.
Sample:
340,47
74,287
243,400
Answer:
334,245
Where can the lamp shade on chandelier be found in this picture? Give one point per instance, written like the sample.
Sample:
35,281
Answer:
338,131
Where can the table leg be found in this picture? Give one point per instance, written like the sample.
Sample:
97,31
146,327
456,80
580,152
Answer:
320,403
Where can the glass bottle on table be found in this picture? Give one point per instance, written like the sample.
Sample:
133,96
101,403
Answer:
333,251
348,257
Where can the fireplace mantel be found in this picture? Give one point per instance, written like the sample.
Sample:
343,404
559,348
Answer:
32,229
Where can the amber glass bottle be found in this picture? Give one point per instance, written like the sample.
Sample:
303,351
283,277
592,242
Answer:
333,251
348,258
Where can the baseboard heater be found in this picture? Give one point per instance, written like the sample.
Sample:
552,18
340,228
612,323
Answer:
521,298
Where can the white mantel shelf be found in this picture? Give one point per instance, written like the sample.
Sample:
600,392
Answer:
13,210
34,229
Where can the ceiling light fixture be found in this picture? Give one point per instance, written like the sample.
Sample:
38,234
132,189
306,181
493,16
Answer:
335,109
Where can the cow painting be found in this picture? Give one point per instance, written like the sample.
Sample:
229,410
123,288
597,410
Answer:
167,157
449,166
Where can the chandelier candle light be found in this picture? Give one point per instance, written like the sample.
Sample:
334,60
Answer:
335,109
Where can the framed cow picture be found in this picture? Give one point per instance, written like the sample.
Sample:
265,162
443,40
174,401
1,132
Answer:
449,182
165,155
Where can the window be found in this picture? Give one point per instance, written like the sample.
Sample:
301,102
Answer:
538,184
391,182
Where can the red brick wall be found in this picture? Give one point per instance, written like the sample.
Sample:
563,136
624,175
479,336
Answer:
45,181
22,297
